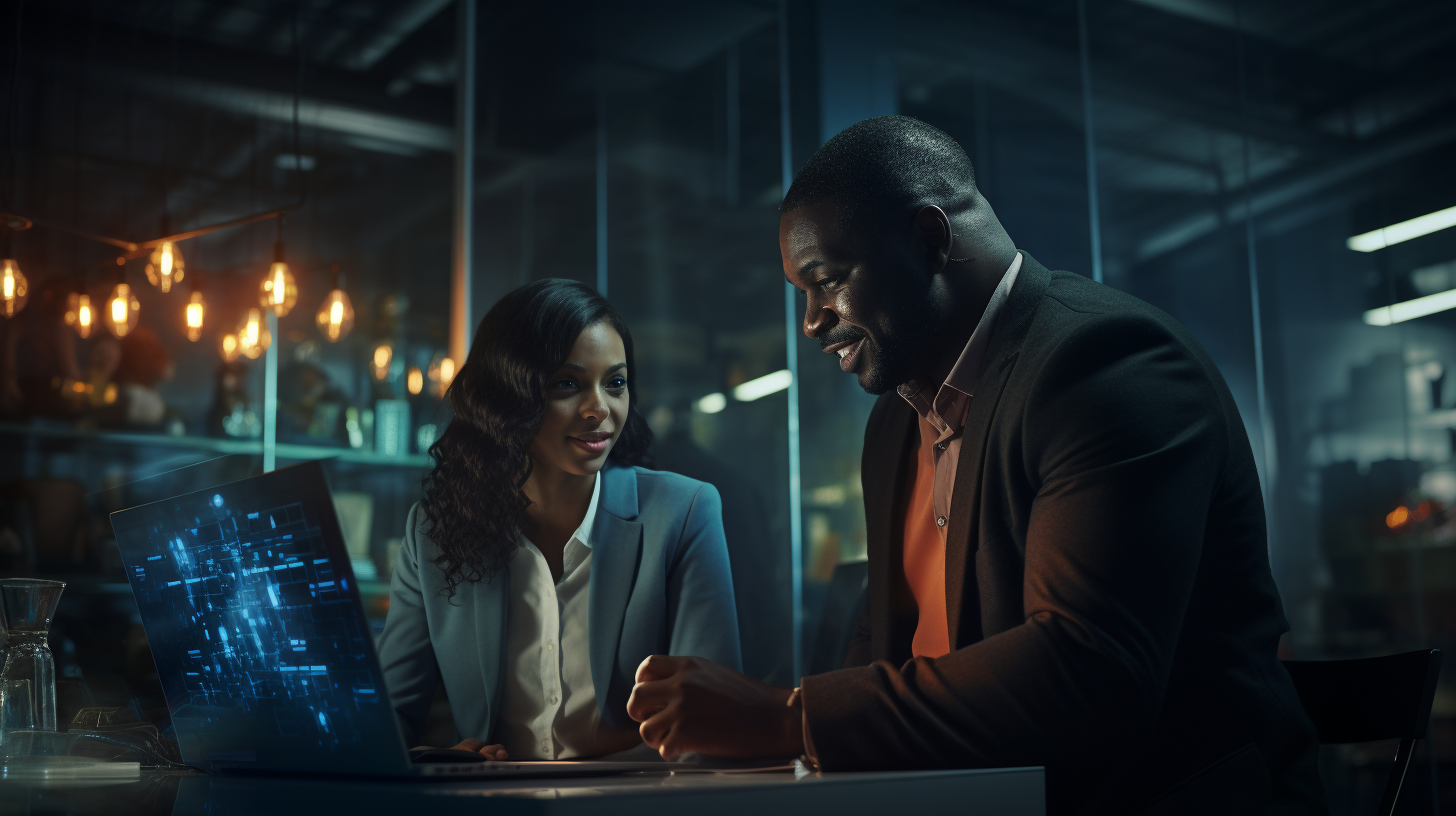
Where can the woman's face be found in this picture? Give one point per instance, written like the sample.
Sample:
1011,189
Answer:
586,404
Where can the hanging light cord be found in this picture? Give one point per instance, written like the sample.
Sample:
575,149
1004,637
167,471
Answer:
15,107
297,96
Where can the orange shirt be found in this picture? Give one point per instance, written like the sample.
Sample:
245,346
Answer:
924,548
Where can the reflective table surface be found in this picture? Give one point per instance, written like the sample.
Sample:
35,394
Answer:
997,792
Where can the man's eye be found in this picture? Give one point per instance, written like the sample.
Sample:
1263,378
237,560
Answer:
827,283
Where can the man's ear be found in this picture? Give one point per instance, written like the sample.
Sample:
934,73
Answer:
933,237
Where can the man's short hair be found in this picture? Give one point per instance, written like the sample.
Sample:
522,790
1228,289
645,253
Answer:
885,168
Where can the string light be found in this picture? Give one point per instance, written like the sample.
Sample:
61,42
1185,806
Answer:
415,380
79,314
165,267
122,310
230,348
194,316
279,291
383,355
336,315
14,289
254,337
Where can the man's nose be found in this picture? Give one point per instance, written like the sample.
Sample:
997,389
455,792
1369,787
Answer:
818,319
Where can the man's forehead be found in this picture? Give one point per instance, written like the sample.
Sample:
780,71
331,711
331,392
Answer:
811,227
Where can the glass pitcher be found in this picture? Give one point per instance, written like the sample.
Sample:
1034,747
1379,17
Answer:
28,679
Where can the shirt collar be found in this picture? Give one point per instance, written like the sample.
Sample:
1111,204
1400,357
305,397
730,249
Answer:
584,530
967,368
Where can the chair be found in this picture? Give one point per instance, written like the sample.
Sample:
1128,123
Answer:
844,603
1376,698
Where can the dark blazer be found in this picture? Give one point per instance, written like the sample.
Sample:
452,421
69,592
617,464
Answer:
1112,615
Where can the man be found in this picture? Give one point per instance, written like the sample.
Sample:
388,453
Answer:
1066,536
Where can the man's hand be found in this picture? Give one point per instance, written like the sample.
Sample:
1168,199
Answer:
496,752
691,704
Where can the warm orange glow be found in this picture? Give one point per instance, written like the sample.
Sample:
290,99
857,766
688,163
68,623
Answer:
415,380
279,291
442,372
14,290
335,316
79,314
254,337
383,355
194,317
78,386
230,349
109,395
122,310
1397,517
166,267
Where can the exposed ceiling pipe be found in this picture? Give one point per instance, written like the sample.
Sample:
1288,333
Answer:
1290,187
404,21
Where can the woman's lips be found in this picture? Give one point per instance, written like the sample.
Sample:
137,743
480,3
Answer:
592,442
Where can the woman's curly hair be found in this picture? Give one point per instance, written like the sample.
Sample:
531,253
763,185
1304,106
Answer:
474,500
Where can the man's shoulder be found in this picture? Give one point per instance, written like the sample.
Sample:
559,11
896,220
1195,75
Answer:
1075,308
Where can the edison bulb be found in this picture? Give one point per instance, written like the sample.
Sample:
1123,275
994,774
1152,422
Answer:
442,371
336,316
383,355
14,289
414,380
254,337
121,311
230,348
79,314
279,291
165,267
194,317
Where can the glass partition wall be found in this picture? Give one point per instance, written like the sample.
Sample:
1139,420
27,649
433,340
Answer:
1231,163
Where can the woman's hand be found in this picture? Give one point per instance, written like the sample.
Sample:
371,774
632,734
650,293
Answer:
486,751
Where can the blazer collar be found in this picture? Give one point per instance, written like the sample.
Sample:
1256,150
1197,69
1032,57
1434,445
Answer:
962,596
619,491
615,555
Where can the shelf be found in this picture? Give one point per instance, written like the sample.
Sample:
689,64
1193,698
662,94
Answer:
206,443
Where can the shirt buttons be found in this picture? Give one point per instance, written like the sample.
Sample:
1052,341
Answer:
550,646
940,446
553,700
940,521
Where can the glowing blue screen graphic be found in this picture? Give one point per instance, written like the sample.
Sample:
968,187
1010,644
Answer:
261,646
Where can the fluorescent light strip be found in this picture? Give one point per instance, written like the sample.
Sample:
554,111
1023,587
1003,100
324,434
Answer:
1404,231
763,386
712,403
1412,309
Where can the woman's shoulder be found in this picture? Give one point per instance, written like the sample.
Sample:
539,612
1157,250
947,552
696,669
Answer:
662,490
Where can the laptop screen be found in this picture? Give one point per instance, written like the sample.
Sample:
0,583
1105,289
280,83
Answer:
256,627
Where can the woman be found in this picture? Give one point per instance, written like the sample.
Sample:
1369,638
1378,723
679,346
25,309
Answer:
544,562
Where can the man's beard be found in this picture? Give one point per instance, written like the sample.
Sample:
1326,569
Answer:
888,360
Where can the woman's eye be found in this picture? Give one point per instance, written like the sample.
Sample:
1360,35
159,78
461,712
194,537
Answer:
617,383
563,384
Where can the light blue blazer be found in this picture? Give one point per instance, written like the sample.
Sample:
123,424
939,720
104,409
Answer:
660,584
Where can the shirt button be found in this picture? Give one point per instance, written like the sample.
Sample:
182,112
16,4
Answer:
550,646
940,522
940,446
553,700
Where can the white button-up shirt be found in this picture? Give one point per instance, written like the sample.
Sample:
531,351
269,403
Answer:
549,709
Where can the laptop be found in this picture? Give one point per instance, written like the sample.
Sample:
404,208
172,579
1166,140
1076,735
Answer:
260,639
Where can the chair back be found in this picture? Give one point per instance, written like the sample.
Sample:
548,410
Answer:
1376,698
844,602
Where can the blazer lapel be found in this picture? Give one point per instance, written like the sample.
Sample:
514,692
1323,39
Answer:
492,603
887,439
616,552
962,601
